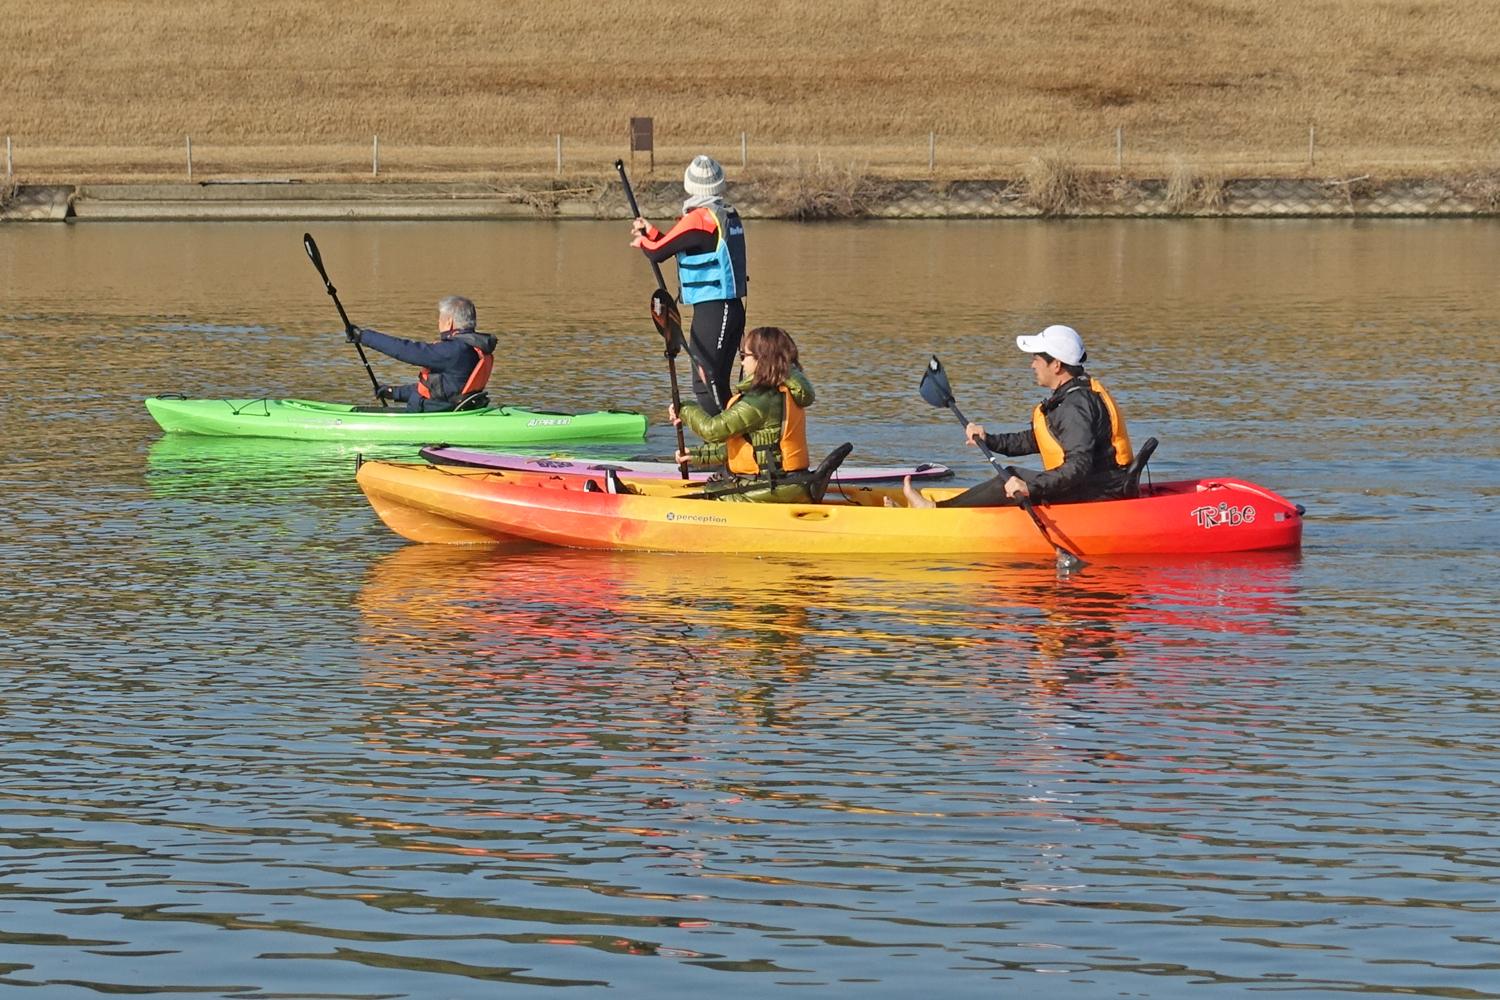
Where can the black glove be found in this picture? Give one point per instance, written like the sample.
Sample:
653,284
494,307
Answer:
386,392
352,334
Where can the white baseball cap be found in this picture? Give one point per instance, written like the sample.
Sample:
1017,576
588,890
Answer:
1061,342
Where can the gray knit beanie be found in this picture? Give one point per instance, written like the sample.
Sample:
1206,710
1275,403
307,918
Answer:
704,177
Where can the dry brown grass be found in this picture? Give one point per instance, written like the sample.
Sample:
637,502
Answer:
1057,185
1484,187
466,86
817,190
1191,188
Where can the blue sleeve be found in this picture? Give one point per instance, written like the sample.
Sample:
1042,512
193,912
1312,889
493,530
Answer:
413,352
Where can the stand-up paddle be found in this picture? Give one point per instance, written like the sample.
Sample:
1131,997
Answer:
317,259
635,213
669,324
936,392
666,316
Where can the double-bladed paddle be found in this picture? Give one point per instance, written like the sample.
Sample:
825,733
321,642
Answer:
317,260
936,391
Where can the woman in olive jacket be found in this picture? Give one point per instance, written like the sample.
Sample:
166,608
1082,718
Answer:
761,436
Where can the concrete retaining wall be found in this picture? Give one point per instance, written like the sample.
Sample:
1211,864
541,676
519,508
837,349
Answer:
314,201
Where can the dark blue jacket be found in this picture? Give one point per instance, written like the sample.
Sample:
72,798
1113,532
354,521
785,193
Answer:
450,362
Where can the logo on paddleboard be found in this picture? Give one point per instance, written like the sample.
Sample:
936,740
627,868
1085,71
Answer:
1223,514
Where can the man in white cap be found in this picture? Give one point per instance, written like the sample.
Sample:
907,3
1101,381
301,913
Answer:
1077,430
709,244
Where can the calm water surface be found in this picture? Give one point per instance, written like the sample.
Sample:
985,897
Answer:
255,745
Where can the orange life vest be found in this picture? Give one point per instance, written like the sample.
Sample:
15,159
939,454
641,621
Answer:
792,446
1052,452
478,378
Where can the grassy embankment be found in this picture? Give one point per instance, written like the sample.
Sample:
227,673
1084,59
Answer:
478,90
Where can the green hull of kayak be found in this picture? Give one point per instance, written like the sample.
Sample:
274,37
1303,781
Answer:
303,420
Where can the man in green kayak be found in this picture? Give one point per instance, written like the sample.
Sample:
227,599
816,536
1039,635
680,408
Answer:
455,369
1077,430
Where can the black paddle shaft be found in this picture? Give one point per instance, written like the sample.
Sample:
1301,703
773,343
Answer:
635,213
317,259
1066,558
669,325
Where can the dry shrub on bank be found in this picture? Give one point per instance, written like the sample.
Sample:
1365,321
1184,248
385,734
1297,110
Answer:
1481,187
1055,185
818,191
1192,188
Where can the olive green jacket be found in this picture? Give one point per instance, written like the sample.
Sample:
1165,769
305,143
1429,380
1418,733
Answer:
757,415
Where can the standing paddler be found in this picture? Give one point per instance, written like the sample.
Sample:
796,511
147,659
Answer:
709,244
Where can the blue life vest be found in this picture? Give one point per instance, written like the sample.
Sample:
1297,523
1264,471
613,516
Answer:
719,274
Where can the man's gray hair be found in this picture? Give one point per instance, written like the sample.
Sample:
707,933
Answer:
460,310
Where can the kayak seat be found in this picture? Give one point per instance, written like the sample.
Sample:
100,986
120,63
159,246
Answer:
612,483
476,400
813,482
817,484
1137,466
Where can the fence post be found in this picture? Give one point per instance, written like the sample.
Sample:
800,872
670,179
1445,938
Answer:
190,157
1120,147
744,152
375,157
1312,135
931,151
559,152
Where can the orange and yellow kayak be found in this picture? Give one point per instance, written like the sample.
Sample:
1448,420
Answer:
459,505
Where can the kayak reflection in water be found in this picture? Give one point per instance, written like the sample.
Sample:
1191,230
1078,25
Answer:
1078,431
762,434
455,369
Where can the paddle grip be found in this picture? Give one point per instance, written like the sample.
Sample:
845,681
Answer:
984,449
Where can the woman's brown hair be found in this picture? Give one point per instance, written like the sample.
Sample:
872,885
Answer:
775,354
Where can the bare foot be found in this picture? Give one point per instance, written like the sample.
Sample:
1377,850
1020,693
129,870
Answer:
913,498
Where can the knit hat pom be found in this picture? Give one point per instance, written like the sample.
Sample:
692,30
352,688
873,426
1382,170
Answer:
703,176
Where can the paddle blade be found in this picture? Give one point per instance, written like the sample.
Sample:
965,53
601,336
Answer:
934,387
312,251
668,320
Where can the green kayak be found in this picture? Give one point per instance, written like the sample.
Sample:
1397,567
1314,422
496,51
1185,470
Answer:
302,420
